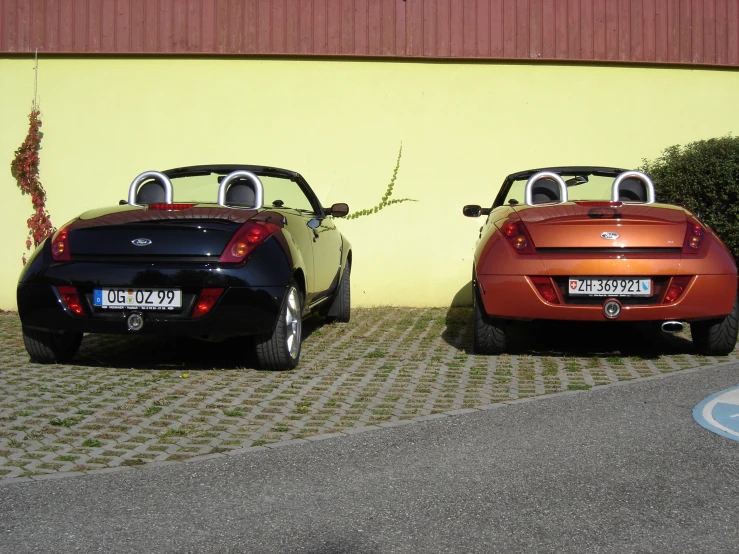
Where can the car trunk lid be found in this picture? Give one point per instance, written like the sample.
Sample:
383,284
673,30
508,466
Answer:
622,234
589,226
197,233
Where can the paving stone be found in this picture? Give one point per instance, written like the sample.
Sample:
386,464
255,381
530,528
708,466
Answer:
148,400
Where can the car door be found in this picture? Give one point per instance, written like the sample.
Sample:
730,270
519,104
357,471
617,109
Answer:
327,246
315,234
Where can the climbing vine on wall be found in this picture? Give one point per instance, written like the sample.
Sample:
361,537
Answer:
385,201
24,169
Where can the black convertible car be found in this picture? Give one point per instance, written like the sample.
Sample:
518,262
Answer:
211,252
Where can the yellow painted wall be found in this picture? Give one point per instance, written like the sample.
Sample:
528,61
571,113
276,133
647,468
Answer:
340,123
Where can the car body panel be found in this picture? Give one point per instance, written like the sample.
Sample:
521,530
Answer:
623,239
129,246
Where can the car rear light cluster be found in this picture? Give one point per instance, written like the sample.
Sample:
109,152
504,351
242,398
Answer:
676,288
206,301
60,246
514,230
246,239
71,299
546,289
170,207
694,237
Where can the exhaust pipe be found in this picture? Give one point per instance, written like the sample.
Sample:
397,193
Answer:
672,326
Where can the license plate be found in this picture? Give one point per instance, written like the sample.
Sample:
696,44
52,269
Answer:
609,286
140,299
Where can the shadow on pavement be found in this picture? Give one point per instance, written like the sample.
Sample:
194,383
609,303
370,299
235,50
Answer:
558,338
180,353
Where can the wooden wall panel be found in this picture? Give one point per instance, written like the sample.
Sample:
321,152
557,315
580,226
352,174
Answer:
630,31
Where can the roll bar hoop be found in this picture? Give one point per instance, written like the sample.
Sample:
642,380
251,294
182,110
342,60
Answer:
157,175
529,190
648,185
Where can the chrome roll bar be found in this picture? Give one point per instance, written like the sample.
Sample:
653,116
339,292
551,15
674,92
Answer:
159,176
529,190
258,187
648,184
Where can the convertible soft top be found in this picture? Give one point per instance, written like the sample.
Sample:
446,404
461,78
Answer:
569,170
225,169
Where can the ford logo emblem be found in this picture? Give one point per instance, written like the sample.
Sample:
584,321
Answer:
147,242
609,236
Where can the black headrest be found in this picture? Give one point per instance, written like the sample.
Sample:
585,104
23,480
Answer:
151,193
632,190
240,193
545,190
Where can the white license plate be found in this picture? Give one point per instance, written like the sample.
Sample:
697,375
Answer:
141,299
609,286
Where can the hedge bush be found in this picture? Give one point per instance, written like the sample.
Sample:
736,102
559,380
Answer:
703,176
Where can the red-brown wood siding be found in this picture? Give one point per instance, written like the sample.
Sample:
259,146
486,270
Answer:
662,31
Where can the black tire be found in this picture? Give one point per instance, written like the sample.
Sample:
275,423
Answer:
45,347
341,307
717,337
280,350
489,333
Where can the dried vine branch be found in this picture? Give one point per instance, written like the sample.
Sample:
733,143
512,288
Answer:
24,169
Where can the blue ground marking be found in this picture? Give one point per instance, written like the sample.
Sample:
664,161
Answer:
718,416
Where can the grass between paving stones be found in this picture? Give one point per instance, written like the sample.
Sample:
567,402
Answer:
127,401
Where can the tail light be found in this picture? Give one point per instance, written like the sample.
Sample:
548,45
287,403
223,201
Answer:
71,299
695,236
170,207
598,204
246,239
676,288
60,245
206,301
546,289
518,236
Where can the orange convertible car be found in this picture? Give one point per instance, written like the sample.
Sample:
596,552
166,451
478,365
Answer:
591,244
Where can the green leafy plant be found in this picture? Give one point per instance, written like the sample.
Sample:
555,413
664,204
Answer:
703,176
385,201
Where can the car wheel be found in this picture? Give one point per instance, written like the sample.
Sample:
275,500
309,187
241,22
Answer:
717,337
490,333
281,349
341,308
45,347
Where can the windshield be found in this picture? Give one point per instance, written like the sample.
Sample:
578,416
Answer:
597,188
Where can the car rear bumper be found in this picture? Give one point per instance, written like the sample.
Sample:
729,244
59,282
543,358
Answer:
515,297
239,311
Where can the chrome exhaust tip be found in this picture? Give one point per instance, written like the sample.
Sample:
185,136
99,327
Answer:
672,326
135,322
612,308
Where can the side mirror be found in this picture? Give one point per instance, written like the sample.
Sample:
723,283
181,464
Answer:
339,210
473,210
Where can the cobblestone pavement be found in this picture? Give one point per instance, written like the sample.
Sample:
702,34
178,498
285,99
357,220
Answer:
129,401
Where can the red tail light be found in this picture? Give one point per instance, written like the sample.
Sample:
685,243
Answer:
598,204
71,299
518,236
172,207
694,237
206,301
246,239
676,288
546,289
60,246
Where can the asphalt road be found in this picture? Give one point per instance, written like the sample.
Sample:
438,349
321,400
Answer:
617,469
